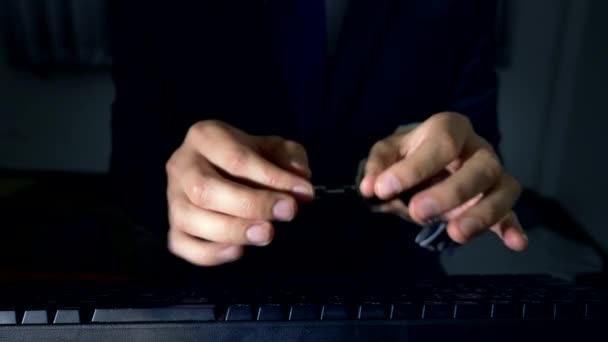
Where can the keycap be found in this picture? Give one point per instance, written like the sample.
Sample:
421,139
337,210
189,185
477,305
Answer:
469,310
596,310
505,310
66,316
303,312
185,313
239,312
567,311
537,310
371,310
270,312
337,311
405,311
8,317
437,310
35,317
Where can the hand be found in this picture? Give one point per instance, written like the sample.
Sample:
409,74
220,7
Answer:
475,196
225,187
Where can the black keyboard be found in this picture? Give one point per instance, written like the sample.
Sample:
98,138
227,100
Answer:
488,308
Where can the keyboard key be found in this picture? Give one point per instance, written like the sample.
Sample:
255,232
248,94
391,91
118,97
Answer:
405,311
371,311
166,314
336,311
239,312
437,310
303,312
537,310
66,316
567,311
469,310
596,310
271,312
506,310
8,317
35,317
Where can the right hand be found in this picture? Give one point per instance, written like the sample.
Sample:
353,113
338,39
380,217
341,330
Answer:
225,188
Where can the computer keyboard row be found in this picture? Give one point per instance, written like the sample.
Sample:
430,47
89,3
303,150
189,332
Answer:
457,298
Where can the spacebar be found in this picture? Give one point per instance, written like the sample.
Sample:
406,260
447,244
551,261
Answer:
164,314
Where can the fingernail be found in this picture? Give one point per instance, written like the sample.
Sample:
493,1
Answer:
428,209
282,210
302,189
388,186
470,226
229,253
258,234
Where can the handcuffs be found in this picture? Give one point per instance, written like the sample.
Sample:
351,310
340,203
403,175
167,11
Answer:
433,235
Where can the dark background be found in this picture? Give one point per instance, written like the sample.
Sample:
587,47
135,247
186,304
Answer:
552,111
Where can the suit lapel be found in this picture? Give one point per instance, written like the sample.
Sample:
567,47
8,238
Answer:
360,42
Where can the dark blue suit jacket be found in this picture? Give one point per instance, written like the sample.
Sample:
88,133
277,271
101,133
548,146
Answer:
397,62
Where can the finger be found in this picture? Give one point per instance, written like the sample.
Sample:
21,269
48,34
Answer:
382,155
206,189
238,159
491,209
202,253
477,174
221,228
287,154
435,145
424,163
454,213
510,231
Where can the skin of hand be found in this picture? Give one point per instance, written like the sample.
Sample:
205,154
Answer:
225,188
475,196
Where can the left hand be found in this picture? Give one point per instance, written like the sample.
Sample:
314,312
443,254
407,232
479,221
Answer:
476,196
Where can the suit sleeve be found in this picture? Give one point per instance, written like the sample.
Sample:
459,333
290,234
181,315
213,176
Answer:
476,92
144,132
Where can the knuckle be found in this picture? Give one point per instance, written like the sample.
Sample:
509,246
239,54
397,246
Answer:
176,219
515,185
172,166
275,140
380,146
198,129
295,146
441,116
201,256
448,145
463,119
175,244
492,168
198,192
271,177
204,129
236,159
